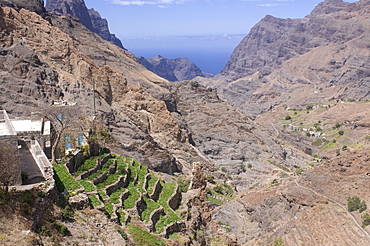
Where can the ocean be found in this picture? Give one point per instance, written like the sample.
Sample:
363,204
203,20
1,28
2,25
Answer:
209,53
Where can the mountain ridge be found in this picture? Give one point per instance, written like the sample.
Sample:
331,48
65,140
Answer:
88,17
177,69
255,79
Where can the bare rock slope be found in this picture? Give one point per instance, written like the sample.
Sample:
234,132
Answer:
309,210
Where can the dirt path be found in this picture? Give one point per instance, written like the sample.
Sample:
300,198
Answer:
338,204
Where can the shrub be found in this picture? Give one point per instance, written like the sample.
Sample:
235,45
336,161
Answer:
355,203
366,220
341,132
243,169
62,229
249,165
184,184
41,193
299,171
223,169
278,242
288,117
67,213
24,175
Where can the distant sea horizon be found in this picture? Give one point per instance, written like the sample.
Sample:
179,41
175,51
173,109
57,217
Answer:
209,52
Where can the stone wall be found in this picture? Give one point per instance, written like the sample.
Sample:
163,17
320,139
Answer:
121,183
75,162
177,226
175,199
141,205
9,140
100,178
156,191
155,216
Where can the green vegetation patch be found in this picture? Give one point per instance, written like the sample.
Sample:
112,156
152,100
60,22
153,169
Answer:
122,215
94,201
329,145
152,180
214,200
87,165
108,206
355,203
63,179
116,195
130,202
317,143
109,180
103,194
151,206
89,187
366,220
220,193
143,238
167,191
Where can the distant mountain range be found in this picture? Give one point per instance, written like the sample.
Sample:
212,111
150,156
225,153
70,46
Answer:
173,69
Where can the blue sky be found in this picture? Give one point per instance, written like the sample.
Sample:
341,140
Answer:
180,25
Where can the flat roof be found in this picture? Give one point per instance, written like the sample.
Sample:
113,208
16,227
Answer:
27,125
4,130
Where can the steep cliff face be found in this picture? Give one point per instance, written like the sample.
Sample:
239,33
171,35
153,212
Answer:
36,6
284,61
173,69
89,17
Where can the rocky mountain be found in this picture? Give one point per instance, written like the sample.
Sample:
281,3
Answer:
284,61
173,69
282,194
88,17
58,59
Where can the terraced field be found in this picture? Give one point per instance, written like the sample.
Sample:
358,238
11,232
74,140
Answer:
124,189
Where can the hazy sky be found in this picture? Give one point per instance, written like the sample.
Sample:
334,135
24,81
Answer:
148,18
181,28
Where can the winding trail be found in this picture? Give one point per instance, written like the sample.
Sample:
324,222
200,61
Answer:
338,204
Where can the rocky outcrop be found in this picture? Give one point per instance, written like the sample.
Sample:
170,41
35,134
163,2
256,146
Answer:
100,27
229,139
88,17
36,6
79,201
173,69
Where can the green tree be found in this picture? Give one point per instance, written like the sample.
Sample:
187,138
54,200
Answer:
10,166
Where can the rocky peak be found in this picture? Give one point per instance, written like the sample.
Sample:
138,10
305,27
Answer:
173,69
31,5
88,17
328,7
75,8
